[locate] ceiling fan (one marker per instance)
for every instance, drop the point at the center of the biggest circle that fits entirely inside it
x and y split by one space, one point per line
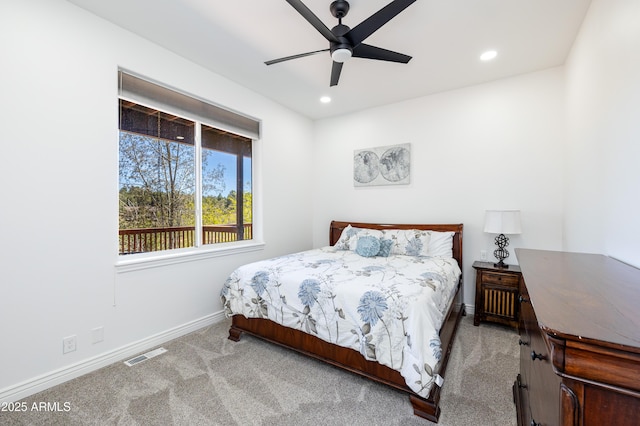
345 42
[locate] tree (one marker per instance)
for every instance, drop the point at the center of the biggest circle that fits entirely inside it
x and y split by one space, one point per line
247 214
161 173
157 182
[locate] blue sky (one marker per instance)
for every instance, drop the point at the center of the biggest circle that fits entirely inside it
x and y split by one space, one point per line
229 163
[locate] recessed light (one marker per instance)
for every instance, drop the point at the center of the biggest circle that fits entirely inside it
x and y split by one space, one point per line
325 99
488 55
180 138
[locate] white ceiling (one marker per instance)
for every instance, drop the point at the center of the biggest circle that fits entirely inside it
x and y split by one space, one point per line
445 38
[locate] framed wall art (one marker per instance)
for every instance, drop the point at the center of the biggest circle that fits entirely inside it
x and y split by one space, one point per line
385 165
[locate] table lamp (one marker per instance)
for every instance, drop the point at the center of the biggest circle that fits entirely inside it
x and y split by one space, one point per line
502 222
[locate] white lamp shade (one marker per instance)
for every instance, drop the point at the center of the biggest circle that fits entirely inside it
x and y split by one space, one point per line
502 222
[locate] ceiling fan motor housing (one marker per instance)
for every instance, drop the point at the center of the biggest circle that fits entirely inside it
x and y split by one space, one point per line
343 49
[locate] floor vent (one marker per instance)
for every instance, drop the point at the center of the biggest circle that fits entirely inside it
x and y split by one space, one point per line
144 357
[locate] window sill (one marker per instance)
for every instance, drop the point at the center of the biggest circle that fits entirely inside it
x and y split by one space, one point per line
136 262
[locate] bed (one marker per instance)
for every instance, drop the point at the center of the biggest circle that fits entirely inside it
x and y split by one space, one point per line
359 304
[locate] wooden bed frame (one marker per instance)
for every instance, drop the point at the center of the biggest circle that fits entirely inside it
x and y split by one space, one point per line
352 360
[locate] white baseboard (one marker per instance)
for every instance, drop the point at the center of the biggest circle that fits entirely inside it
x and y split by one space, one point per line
56 377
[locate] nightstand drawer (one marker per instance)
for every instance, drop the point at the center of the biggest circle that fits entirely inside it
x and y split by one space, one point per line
500 279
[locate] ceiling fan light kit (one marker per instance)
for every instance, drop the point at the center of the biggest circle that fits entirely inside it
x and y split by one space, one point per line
341 55
345 42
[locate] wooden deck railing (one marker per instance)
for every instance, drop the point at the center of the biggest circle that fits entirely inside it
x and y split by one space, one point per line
144 240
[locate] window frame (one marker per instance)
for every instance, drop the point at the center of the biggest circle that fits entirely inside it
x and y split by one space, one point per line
199 251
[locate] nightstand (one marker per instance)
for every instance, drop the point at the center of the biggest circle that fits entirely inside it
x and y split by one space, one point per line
497 291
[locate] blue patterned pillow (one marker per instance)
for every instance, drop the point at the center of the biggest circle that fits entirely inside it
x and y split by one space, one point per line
368 246
385 247
345 236
408 242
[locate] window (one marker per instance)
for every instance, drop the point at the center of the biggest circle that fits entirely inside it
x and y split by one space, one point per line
183 180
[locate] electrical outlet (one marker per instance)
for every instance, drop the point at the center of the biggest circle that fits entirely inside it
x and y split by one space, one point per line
68 344
97 335
483 255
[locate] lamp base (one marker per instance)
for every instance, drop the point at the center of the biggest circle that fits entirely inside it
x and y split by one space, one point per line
501 265
501 253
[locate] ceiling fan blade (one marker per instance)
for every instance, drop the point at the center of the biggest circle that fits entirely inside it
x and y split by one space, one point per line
370 25
336 69
300 55
372 52
313 19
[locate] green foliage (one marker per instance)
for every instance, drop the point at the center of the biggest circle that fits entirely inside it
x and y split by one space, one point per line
247 214
218 210
141 209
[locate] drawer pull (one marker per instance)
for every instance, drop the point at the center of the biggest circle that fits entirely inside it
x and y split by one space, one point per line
534 423
522 299
535 356
522 343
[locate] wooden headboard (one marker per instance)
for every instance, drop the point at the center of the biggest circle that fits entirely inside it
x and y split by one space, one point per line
337 226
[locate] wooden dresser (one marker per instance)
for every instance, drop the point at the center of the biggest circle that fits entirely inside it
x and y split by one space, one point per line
580 340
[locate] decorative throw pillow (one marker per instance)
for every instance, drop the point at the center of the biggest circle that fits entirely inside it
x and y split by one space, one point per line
385 247
368 246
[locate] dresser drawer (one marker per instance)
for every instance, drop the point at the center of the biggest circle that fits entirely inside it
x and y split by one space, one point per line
544 383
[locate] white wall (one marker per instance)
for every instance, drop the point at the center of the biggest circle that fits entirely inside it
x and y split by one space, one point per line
602 202
496 145
59 177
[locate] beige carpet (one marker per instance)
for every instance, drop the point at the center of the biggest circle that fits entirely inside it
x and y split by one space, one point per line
206 379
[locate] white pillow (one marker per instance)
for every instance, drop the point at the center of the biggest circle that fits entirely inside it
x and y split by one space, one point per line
441 244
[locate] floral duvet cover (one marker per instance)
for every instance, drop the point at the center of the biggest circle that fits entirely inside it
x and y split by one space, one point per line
390 309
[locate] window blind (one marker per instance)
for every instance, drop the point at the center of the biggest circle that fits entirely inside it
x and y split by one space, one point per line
145 92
